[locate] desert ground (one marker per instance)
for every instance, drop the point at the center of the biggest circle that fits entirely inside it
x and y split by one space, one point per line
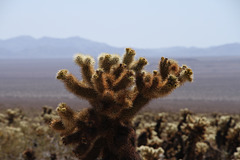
32 83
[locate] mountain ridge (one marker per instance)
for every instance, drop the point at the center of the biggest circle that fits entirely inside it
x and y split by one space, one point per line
26 47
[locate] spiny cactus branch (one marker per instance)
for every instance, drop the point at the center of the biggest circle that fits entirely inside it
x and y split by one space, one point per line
75 86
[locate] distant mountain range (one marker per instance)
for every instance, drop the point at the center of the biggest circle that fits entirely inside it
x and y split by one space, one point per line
27 47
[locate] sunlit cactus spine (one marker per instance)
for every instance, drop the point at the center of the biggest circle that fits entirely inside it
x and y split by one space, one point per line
117 90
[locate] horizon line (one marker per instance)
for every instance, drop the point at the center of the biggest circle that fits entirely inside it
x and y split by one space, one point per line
79 37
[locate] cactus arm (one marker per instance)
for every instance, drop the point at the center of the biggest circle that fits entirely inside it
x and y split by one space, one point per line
128 57
99 81
140 84
124 81
105 62
76 87
95 151
138 65
171 84
87 67
166 67
185 75
119 70
139 102
87 73
163 68
57 125
156 85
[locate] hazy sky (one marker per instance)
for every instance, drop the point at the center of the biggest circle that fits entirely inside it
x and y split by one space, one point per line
132 23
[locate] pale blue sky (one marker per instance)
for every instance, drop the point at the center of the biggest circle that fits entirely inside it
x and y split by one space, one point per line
133 23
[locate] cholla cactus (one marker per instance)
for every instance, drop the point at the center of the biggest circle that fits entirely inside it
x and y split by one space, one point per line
13 114
200 150
149 153
195 131
48 114
117 90
224 125
233 139
237 154
159 124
